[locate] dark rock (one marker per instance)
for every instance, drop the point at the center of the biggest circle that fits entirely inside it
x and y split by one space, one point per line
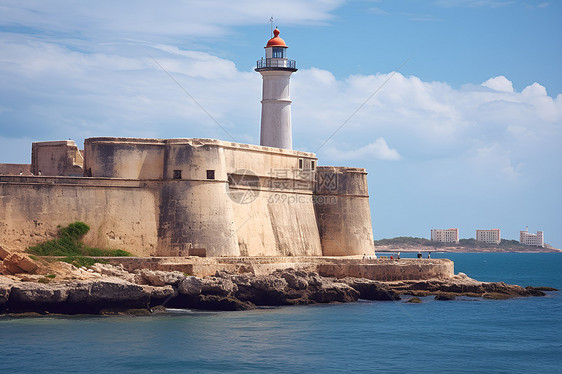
497 296
539 291
159 292
215 302
414 300
190 286
158 309
329 292
36 297
76 296
94 296
445 296
294 280
5 289
159 278
263 290
372 290
124 312
218 286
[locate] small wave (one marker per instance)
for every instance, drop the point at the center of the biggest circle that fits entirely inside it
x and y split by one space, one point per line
179 311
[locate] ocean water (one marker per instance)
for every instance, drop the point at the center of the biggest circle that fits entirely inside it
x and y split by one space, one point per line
463 336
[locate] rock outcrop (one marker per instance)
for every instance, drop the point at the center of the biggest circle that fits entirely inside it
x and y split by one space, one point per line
76 296
286 287
112 289
16 263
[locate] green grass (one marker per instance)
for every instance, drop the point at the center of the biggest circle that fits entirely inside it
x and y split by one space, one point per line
69 244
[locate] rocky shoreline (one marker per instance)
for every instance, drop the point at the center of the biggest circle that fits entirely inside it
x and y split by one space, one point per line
108 289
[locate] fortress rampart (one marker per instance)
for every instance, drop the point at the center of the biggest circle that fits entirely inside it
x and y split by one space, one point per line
336 266
189 197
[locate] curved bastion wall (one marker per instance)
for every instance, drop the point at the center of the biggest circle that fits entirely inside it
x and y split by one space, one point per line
184 197
343 212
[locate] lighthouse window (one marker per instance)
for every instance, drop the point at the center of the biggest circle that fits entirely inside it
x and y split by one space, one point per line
278 52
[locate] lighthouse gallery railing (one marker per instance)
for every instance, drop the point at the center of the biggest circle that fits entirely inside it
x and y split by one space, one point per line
276 63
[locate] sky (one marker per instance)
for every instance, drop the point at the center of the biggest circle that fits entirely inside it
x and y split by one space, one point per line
454 107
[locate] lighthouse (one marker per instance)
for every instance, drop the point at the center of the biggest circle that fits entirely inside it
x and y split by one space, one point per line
276 70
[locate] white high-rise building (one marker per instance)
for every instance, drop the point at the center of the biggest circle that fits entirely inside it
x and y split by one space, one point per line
445 235
527 238
492 236
276 72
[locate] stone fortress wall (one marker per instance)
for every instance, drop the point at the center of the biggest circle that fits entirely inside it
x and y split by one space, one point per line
181 197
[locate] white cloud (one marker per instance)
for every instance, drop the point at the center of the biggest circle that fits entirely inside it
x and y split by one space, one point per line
150 20
473 3
56 92
84 76
377 11
499 83
492 161
378 150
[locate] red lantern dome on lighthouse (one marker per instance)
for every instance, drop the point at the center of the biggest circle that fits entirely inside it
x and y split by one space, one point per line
276 41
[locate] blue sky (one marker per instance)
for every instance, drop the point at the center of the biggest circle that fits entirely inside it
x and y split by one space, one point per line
465 134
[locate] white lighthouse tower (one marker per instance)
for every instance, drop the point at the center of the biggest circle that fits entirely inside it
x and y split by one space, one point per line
276 72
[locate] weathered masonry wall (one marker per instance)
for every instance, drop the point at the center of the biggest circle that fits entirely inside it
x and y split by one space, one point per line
56 158
203 207
121 214
375 269
343 212
388 270
277 218
185 197
130 159
15 169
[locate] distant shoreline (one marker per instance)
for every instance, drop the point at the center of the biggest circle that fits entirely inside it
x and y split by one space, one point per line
461 249
413 244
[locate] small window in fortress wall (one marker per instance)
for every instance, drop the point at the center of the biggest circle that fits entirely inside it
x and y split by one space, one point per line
301 162
177 174
200 252
210 174
312 165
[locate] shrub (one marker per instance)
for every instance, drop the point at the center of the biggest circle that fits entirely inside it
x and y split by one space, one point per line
69 244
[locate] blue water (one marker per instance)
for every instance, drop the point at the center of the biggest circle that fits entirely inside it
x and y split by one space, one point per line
464 336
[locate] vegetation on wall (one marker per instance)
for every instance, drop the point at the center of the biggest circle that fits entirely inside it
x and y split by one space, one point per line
69 244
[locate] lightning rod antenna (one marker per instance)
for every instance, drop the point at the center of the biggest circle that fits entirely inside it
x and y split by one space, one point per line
271 19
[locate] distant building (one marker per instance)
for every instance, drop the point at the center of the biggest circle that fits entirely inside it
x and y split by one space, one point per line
492 236
445 236
527 238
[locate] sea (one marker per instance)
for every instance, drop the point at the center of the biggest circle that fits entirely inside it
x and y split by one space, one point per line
468 335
